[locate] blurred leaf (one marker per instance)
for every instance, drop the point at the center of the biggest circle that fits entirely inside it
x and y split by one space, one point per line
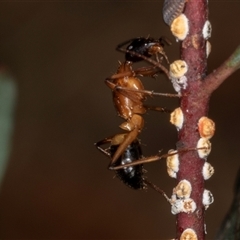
230 228
7 103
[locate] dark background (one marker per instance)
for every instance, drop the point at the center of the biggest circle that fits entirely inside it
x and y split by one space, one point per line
57 185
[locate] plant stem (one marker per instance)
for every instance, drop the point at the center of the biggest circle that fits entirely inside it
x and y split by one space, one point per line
194 106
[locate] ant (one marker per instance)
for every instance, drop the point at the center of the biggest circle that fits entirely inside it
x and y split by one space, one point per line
128 97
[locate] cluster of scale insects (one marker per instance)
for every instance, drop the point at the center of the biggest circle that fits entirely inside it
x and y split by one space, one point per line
129 98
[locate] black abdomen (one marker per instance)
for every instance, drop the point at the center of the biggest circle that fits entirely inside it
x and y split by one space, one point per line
132 176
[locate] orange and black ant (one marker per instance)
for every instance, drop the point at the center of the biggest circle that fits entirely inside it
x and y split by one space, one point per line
128 97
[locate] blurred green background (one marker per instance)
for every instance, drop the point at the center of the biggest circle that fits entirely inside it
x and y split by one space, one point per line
56 184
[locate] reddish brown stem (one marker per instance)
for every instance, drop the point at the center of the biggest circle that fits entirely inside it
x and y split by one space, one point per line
194 105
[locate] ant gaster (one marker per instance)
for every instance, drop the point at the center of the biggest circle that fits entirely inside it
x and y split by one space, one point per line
132 176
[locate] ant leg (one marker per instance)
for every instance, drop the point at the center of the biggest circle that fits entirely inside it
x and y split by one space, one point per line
155 158
124 43
155 63
115 87
158 60
147 92
102 142
156 50
158 109
141 161
150 71
120 140
165 40
127 141
156 188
